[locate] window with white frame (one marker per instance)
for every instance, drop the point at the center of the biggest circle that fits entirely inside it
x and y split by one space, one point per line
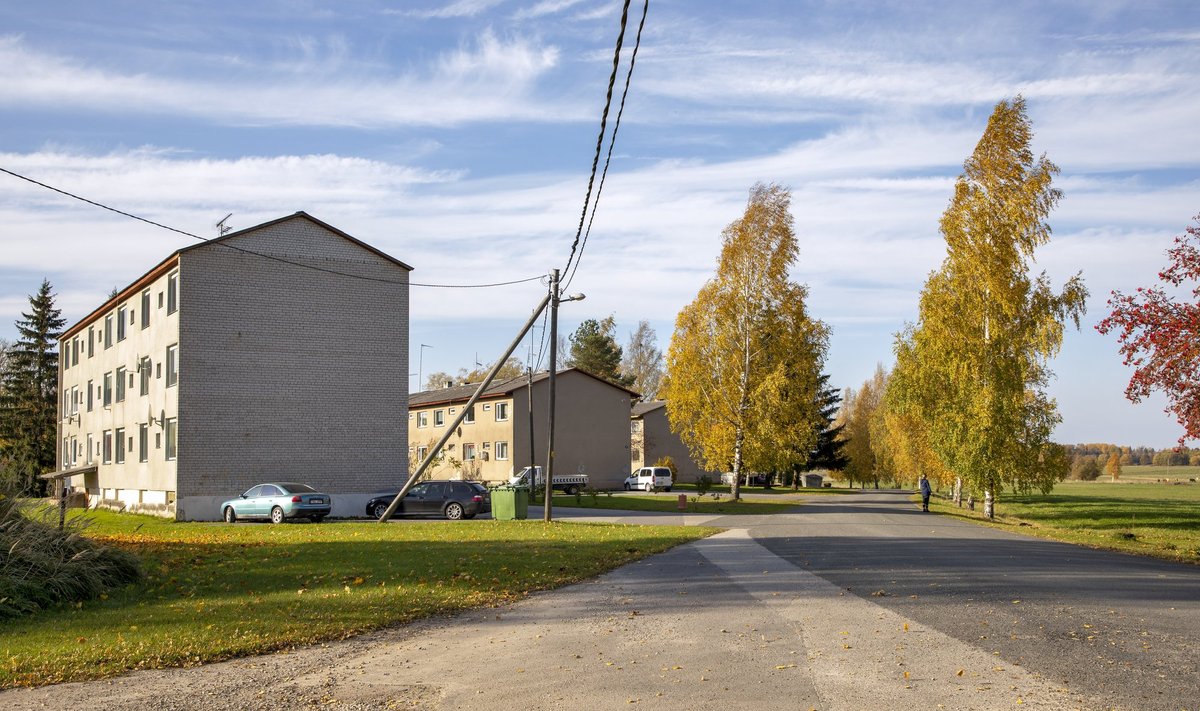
502 451
119 436
422 452
146 309
145 370
501 411
121 310
173 292
422 419
108 331
106 456
172 432
172 364
468 451
91 449
470 417
91 341
121 384
108 389
90 395
143 442
439 418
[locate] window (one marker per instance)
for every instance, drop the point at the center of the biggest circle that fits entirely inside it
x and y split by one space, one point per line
145 370
91 341
172 428
146 309
75 399
439 418
501 411
173 292
143 442
422 452
121 323
121 384
468 452
91 451
120 437
172 365
107 446
470 418
637 426
422 419
108 331
502 450
108 389
75 350
66 354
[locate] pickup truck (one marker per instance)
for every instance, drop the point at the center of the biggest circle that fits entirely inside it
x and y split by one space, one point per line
570 483
649 479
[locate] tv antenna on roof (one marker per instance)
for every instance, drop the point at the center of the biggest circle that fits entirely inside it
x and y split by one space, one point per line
222 228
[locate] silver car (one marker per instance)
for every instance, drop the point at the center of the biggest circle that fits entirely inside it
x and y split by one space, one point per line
278 501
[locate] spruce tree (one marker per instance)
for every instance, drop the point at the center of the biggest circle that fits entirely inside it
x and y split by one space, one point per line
29 397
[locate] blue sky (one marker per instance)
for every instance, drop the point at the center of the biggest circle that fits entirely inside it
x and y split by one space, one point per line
458 136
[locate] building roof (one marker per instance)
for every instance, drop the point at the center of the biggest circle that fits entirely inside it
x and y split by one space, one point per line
642 408
172 261
499 388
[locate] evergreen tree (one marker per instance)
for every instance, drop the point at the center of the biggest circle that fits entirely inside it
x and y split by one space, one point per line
29 397
594 350
828 454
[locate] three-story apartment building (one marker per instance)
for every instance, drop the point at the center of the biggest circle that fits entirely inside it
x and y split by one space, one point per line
276 353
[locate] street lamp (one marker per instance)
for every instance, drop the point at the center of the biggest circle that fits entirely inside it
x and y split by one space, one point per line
555 300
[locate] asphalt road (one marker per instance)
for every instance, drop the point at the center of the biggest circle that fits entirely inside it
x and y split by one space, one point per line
1121 628
854 602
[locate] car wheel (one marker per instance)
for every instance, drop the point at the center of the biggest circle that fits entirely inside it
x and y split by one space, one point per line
626 486
572 490
378 510
276 515
668 489
454 511
230 514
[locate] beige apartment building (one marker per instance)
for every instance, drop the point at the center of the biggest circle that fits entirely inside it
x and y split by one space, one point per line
651 438
591 431
275 353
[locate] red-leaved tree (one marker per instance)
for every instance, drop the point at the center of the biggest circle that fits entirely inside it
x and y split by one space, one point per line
1160 336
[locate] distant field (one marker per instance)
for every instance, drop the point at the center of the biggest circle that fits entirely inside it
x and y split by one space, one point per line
1146 472
1160 520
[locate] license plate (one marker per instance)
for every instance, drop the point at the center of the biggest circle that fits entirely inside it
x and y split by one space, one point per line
316 501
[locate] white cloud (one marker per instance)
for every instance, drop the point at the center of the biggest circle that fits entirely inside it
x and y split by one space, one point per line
488 79
456 9
545 7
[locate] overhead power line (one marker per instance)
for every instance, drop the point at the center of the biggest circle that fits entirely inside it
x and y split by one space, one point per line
259 254
612 142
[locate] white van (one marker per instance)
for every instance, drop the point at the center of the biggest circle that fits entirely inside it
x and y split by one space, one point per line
649 479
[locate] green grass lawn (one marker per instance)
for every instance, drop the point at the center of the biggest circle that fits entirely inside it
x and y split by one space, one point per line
1160 520
669 503
1142 472
216 591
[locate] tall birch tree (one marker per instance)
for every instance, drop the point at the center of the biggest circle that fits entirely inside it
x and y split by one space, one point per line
744 363
974 368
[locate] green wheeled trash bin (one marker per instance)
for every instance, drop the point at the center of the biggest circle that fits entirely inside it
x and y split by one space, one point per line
510 502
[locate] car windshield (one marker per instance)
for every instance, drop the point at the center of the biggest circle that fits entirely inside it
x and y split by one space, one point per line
298 488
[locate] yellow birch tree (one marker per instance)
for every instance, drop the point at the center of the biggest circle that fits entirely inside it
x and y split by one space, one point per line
744 362
974 367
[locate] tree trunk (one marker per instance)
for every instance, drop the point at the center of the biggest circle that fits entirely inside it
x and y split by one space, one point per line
958 491
735 489
989 502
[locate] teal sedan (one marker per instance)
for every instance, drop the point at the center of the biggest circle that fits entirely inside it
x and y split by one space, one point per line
277 502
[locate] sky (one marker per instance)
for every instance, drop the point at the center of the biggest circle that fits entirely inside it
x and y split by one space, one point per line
458 136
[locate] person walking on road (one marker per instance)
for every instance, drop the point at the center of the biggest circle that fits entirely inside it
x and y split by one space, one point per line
926 491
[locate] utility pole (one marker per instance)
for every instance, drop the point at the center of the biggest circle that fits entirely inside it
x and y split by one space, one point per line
548 508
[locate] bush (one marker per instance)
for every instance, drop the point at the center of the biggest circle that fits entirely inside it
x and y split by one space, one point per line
1085 469
669 464
41 566
704 482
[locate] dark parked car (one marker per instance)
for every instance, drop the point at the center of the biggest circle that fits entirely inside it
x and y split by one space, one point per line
278 501
452 499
